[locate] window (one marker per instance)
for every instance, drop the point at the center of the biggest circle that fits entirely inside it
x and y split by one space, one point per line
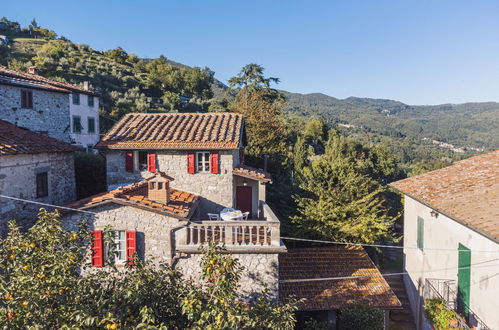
90 101
77 124
91 125
26 99
142 160
202 161
119 247
420 237
76 98
42 185
90 149
160 185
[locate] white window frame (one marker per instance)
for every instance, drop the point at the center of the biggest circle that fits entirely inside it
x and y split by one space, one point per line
118 247
203 165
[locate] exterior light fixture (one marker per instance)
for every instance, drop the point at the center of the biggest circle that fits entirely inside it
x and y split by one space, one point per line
245 183
434 214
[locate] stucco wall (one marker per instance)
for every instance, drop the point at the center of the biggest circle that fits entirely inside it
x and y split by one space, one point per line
260 270
445 233
216 190
84 111
50 111
18 179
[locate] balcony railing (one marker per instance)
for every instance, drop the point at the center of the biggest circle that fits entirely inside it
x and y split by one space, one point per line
237 236
446 289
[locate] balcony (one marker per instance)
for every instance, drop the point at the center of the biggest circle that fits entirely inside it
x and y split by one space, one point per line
245 236
446 289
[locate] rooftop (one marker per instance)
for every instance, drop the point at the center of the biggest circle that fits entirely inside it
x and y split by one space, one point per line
252 173
333 261
181 203
15 140
24 79
467 191
175 131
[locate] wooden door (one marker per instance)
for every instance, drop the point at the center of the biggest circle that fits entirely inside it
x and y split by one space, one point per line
463 280
244 199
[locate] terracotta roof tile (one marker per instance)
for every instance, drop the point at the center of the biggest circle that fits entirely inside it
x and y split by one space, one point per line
467 191
333 261
181 203
252 173
175 131
16 140
24 79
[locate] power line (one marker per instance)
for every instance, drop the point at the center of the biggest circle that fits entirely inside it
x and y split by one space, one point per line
282 237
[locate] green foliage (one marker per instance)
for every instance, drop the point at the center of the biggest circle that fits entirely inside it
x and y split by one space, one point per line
46 282
342 194
216 304
251 77
360 317
90 174
439 315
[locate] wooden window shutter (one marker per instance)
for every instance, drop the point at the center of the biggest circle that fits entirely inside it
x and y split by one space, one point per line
30 99
131 245
420 234
191 160
97 249
151 161
129 161
214 162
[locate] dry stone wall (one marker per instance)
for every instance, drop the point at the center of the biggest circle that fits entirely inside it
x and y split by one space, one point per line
50 113
18 179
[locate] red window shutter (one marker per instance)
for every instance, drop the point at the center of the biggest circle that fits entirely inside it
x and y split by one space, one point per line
129 161
151 161
131 245
214 162
97 249
191 160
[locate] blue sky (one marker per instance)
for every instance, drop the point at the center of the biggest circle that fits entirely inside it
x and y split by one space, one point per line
417 52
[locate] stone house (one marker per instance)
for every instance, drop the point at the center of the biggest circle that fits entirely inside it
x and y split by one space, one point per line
60 110
32 167
166 173
451 239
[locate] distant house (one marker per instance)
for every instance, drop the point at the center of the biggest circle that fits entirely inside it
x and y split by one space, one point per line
33 167
451 239
60 110
323 298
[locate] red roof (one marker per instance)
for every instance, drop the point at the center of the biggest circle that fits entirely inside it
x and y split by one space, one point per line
24 79
181 203
175 131
328 262
252 173
467 191
15 140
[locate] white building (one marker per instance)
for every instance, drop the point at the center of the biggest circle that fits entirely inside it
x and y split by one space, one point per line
451 239
84 112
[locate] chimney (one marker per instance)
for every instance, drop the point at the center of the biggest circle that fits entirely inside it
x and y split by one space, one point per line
158 189
32 69
86 85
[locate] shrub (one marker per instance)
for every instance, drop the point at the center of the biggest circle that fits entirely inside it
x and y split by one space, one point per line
360 317
439 315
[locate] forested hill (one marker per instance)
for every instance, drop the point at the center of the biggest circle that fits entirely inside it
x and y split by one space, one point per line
469 125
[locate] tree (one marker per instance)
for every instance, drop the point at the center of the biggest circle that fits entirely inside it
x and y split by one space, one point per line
45 283
251 77
342 196
33 25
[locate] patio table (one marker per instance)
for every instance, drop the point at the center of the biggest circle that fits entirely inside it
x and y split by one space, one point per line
231 214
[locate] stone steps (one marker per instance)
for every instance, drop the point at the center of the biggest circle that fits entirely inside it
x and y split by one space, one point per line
400 319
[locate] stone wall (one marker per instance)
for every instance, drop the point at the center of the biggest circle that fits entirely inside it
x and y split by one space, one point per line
216 190
50 111
18 179
154 230
260 270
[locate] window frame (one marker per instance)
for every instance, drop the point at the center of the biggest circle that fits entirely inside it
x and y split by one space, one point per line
139 167
91 128
204 162
90 101
26 99
75 98
118 248
42 184
74 126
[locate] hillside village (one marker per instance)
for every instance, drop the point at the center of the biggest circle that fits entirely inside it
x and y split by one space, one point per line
211 197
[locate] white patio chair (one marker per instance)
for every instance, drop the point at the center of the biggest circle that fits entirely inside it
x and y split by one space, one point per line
214 216
245 215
